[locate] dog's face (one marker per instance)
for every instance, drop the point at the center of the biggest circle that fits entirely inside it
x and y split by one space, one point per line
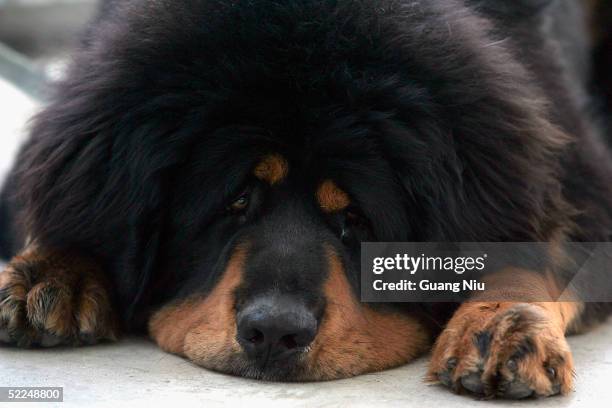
269 273
236 156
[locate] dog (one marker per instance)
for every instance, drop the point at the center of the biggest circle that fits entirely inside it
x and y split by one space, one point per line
207 170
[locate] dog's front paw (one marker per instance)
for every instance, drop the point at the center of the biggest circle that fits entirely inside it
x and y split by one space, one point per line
49 299
506 350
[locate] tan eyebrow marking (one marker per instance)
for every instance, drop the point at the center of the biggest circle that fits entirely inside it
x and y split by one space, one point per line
331 198
272 169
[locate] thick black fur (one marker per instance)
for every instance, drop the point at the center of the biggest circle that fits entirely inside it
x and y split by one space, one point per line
444 120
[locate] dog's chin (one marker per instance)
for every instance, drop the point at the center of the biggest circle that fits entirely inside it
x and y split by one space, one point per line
302 367
291 369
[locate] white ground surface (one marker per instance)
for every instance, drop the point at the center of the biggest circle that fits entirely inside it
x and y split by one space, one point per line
134 373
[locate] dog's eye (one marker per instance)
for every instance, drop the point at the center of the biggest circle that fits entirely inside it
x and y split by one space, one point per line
355 227
240 204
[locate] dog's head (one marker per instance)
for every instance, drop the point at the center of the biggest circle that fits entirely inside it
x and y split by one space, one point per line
226 159
267 274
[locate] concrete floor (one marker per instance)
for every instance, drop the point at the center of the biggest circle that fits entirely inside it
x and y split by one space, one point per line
135 373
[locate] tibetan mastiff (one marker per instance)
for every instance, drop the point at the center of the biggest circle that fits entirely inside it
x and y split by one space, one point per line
207 169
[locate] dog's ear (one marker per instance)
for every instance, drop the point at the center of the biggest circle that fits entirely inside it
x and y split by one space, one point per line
477 153
493 176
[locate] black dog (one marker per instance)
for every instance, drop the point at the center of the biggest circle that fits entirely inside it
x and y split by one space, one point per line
208 169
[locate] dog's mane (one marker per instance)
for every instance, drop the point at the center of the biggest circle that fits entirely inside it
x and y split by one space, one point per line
423 90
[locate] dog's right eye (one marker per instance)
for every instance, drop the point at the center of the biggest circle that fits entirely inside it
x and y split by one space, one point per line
240 204
355 226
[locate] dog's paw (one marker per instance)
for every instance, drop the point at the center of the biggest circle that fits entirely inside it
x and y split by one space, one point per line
49 299
504 350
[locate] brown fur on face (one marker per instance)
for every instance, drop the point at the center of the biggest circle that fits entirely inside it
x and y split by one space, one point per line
352 339
272 169
50 297
331 198
355 339
203 330
508 348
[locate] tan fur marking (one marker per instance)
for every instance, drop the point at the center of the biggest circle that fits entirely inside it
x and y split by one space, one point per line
272 169
511 323
331 198
202 329
354 338
42 292
534 288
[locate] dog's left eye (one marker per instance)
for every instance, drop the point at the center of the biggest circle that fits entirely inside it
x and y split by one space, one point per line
240 204
355 227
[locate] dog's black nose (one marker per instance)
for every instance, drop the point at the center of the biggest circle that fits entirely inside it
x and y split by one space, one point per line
273 328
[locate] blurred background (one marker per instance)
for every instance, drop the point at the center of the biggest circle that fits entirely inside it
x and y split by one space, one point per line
36 37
